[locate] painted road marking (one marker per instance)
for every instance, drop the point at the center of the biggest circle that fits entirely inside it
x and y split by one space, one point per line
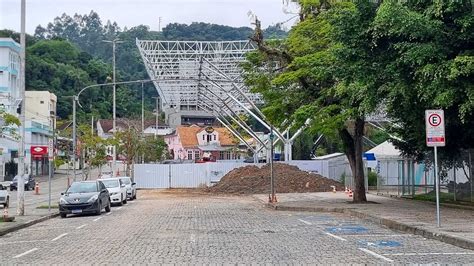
60 236
109 213
303 221
432 253
119 208
380 235
24 241
347 229
375 254
381 243
25 253
82 226
95 220
336 237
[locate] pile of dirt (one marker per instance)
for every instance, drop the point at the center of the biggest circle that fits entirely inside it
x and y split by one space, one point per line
288 179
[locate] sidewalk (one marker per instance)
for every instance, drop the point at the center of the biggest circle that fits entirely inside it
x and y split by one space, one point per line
32 216
457 225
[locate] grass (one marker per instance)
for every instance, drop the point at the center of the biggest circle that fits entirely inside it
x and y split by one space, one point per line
45 206
443 198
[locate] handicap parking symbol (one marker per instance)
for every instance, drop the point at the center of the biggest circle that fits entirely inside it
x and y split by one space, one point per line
347 229
381 243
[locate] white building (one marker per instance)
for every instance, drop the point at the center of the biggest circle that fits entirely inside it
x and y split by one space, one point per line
40 120
9 96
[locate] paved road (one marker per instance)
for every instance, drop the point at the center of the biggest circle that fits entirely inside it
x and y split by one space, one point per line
168 228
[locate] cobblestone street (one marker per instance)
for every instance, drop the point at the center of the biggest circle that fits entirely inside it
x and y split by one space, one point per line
197 229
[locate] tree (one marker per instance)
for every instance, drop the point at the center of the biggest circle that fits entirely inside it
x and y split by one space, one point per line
430 45
8 124
326 70
128 143
93 147
153 149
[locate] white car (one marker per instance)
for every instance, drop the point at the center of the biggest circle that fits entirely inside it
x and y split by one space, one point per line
4 196
117 190
131 187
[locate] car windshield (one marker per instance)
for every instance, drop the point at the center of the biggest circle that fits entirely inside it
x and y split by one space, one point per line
126 181
82 187
111 183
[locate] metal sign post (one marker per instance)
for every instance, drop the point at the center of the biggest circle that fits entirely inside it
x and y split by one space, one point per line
50 157
435 137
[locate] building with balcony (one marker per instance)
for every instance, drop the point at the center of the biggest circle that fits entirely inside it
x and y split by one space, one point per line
40 121
9 99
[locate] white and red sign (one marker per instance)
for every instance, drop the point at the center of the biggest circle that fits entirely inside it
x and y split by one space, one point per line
435 134
39 151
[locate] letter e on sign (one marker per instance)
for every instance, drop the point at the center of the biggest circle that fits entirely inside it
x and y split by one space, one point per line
435 134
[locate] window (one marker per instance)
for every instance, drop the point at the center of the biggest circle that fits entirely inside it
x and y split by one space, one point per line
190 155
215 137
197 155
203 137
221 155
41 102
228 155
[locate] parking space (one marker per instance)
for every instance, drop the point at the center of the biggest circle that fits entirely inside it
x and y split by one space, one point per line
194 229
385 244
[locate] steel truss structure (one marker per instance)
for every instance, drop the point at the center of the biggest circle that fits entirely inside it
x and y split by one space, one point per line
207 76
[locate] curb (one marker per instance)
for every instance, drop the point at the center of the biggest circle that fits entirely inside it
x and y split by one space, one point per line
27 224
456 241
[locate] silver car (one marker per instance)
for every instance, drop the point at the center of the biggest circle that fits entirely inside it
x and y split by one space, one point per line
130 186
4 197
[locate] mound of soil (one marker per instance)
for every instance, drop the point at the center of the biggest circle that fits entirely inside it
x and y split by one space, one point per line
288 179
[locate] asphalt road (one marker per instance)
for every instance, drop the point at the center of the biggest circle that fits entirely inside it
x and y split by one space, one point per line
194 229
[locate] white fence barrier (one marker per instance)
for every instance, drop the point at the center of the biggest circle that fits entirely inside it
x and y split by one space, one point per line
200 175
182 175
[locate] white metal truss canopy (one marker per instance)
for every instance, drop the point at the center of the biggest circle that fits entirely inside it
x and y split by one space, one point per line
185 70
207 76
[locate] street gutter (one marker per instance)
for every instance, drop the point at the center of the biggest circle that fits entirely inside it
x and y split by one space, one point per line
21 225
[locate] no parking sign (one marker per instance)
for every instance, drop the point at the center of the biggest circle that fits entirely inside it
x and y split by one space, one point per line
435 135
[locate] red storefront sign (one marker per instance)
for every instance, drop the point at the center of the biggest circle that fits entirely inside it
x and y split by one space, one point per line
39 151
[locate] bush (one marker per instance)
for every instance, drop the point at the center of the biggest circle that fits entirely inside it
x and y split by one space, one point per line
372 179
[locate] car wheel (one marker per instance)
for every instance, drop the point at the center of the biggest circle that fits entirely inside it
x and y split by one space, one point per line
125 200
63 215
135 196
11 189
107 208
121 202
99 209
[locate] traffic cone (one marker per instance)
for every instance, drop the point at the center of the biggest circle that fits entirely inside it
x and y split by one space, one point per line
37 187
350 193
5 213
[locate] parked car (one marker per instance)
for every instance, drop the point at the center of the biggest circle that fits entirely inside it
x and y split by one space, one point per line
29 183
117 190
130 186
84 197
4 197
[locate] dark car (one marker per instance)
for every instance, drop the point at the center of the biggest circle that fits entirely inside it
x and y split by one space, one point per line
29 183
84 197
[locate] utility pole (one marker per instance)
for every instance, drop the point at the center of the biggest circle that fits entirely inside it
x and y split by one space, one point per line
272 198
21 149
114 149
143 121
74 99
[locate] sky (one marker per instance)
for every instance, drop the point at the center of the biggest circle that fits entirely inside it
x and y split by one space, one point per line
135 12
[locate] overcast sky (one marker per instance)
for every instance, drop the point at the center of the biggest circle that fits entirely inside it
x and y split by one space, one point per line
135 12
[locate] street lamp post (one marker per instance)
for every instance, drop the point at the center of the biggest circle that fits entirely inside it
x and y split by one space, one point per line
114 115
21 149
